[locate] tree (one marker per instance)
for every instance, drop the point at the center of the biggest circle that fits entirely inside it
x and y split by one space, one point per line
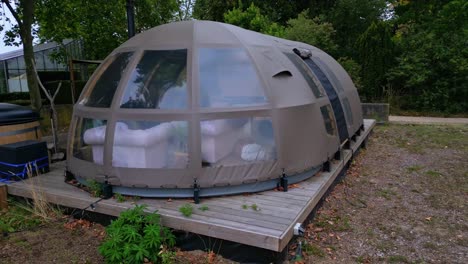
185 9
376 56
213 10
351 18
253 19
23 12
101 25
432 69
311 31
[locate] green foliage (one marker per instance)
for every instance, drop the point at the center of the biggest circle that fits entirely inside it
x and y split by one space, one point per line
253 19
203 208
311 31
433 66
212 9
136 235
376 56
18 217
245 207
119 197
312 249
186 210
278 11
255 207
354 70
102 25
351 18
7 97
95 188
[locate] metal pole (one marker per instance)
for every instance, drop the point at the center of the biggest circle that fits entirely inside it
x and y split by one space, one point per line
72 80
131 18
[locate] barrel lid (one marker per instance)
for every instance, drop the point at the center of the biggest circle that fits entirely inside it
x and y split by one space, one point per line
11 114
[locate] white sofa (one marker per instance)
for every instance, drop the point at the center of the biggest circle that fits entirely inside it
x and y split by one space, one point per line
132 148
219 137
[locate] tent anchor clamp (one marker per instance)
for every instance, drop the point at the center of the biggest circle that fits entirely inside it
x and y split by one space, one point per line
196 192
283 182
326 167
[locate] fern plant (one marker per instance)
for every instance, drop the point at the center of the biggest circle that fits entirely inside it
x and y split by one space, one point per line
134 236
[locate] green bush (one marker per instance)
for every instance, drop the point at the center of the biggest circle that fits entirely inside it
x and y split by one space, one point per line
136 236
8 97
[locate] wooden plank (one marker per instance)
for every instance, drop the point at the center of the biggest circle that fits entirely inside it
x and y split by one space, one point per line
259 200
217 228
271 211
3 196
227 210
270 228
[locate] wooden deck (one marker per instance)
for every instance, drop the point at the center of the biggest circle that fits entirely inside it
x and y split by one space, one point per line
271 227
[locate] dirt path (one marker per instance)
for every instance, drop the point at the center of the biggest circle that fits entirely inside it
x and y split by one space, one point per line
403 201
426 120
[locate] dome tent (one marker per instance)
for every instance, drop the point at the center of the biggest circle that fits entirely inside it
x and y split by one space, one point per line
200 104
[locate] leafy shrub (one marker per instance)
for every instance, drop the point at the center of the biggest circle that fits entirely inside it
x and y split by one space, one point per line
137 235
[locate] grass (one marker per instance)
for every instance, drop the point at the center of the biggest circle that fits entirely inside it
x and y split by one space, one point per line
420 137
95 188
186 210
18 217
397 259
255 207
203 208
414 168
28 213
386 193
433 174
334 223
311 249
119 197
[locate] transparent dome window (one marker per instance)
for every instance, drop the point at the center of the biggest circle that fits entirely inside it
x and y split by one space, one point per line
226 142
228 79
150 144
158 81
89 140
103 91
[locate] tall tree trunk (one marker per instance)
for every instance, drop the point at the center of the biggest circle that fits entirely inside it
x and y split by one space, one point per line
25 22
27 39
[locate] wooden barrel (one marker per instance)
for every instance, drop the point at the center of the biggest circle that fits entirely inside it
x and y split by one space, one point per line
19 132
18 123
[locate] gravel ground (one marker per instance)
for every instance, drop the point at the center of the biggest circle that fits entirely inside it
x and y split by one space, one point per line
403 201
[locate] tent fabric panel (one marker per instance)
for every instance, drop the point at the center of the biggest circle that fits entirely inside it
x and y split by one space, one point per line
303 140
237 175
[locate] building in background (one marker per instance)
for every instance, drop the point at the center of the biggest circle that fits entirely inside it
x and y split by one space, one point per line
13 68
